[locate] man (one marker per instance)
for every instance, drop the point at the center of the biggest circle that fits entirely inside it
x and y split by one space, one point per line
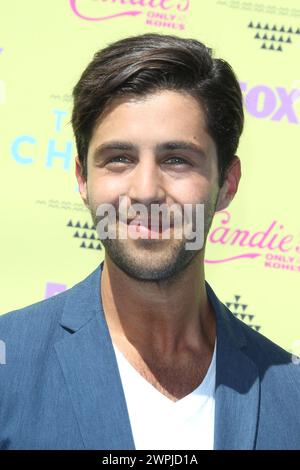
142 354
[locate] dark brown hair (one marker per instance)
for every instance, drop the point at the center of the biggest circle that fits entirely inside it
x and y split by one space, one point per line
143 64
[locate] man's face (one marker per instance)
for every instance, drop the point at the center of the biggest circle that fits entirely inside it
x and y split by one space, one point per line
152 149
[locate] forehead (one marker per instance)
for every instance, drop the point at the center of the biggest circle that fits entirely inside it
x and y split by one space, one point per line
153 118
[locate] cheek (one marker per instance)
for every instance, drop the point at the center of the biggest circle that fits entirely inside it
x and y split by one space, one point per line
104 190
192 191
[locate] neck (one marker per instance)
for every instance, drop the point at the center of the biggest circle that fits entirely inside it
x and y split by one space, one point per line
162 318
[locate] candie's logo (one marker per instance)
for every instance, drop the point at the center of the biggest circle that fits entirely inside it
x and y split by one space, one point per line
273 244
160 13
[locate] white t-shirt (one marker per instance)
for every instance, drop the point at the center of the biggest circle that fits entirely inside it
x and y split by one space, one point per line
159 423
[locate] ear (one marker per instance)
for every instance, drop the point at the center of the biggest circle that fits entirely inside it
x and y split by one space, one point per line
81 180
230 185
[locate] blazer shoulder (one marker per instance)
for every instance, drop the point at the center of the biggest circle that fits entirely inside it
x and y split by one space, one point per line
45 314
270 358
31 312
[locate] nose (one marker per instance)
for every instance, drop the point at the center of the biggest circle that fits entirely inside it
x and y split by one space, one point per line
146 186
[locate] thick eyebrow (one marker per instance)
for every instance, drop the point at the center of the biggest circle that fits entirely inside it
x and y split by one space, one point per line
181 145
170 146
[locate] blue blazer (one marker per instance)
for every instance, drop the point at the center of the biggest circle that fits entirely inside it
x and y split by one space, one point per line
60 387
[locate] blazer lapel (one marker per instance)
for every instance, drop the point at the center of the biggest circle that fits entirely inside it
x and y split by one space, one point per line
237 384
89 365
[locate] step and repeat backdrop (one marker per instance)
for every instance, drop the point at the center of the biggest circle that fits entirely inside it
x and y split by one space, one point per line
48 242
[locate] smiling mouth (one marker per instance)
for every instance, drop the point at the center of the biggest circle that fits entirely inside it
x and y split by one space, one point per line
146 224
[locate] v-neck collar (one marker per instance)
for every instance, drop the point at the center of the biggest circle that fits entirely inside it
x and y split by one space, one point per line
207 384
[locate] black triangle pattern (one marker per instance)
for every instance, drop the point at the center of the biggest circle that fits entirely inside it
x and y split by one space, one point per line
239 310
82 233
273 28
